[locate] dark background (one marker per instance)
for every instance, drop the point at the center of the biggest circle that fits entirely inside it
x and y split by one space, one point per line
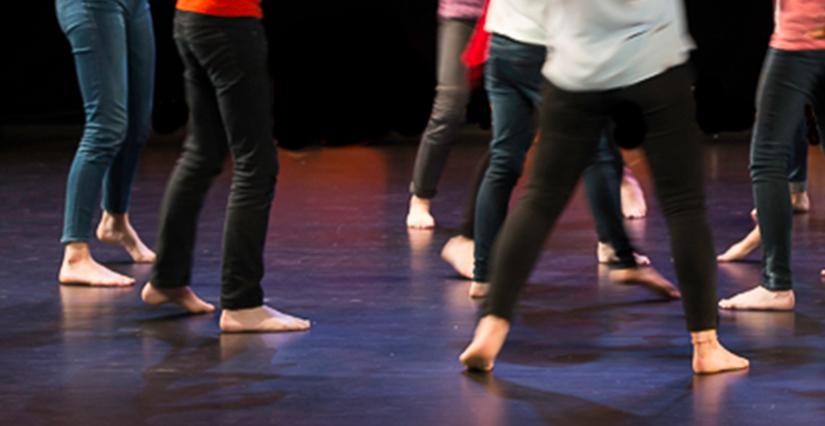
353 71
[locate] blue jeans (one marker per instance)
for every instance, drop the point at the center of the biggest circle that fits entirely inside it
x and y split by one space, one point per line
114 49
789 80
514 84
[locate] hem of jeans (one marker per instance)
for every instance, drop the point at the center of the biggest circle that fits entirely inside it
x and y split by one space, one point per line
623 264
69 240
167 284
428 195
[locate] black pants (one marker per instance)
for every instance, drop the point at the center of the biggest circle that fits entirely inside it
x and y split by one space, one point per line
229 97
571 125
789 80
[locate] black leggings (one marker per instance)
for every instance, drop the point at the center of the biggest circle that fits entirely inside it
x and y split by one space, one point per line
571 125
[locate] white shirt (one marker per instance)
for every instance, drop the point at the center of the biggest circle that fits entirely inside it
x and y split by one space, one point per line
607 44
520 20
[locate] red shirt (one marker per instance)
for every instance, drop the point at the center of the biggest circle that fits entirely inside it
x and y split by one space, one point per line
226 8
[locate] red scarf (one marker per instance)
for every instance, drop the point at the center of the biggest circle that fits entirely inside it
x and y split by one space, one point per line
475 54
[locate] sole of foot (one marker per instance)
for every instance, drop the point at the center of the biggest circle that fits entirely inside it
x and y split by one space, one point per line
479 290
92 274
419 216
633 201
458 252
261 319
710 357
489 337
117 231
743 248
646 277
183 297
606 255
760 299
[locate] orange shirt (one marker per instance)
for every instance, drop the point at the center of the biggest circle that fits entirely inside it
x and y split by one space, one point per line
226 8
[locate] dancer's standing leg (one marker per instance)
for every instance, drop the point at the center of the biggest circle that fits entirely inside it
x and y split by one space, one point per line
789 80
228 91
114 52
448 112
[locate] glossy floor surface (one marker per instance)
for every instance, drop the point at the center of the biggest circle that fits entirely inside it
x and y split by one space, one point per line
389 317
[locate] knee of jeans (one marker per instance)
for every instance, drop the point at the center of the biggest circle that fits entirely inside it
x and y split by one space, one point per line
103 138
450 104
505 166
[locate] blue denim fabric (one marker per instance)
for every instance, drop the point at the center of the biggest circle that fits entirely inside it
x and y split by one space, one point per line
514 85
114 48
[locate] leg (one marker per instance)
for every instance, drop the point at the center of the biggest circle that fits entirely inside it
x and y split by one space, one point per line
204 152
237 67
571 125
449 107
788 81
98 41
633 198
798 173
514 81
115 227
458 251
675 156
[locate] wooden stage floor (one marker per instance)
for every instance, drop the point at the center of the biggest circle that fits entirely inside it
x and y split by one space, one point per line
390 318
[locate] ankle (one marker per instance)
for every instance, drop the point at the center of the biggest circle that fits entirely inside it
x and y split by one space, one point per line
76 252
704 339
417 201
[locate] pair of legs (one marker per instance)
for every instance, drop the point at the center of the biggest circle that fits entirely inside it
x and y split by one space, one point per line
798 186
447 116
514 82
229 97
114 51
789 81
571 125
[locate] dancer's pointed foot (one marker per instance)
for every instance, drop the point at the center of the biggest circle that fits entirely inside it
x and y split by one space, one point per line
741 249
116 229
458 252
633 198
606 255
419 216
709 356
489 337
801 202
183 297
760 299
646 277
479 290
261 319
79 268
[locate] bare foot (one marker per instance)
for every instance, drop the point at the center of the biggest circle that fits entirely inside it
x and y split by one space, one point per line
262 319
801 202
646 277
606 255
458 252
741 249
760 299
183 297
709 356
419 216
116 229
489 337
633 198
479 290
79 268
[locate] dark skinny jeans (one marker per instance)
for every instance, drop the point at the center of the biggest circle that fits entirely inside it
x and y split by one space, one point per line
229 97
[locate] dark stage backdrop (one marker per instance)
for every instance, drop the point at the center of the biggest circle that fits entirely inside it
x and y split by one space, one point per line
349 71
